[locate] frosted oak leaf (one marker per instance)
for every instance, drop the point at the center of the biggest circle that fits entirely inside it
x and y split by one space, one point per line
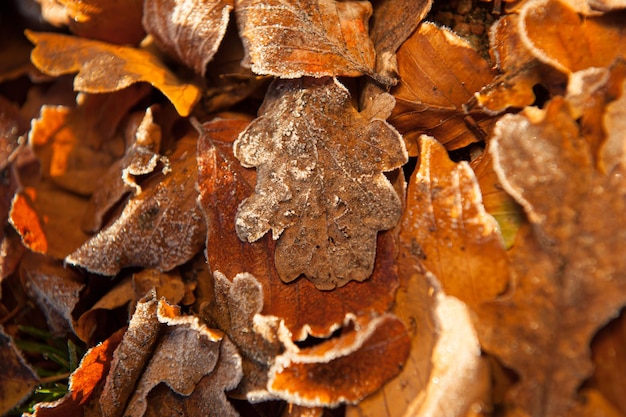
320 184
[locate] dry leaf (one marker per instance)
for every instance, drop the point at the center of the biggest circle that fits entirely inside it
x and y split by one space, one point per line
84 382
53 288
189 30
317 38
197 375
76 145
223 183
320 183
544 24
439 73
570 259
117 21
17 378
160 228
141 158
105 68
43 215
448 229
9 132
345 369
392 23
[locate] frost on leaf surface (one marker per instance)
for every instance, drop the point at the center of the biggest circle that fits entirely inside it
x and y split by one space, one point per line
320 181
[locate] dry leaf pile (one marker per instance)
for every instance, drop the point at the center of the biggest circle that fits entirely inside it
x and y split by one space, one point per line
315 207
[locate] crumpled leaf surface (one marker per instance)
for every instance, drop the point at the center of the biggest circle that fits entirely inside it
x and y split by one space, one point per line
54 288
317 38
430 59
103 67
449 230
312 187
85 382
76 145
570 255
160 228
117 21
392 23
335 371
189 30
17 378
222 184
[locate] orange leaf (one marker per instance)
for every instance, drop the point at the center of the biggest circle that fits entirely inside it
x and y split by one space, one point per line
306 38
446 224
104 67
27 223
117 21
439 73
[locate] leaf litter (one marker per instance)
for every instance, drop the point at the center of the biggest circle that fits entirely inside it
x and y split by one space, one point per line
136 219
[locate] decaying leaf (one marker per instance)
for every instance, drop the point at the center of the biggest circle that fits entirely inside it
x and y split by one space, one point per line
338 370
104 67
159 228
571 258
317 38
392 23
17 378
320 183
117 21
449 230
54 288
189 30
85 382
207 366
306 311
439 73
76 145
140 158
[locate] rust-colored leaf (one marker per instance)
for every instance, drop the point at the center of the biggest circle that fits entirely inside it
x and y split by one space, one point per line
189 30
17 378
597 41
76 145
320 183
291 39
159 228
223 183
117 21
571 258
43 215
439 73
85 381
393 21
345 369
447 227
104 67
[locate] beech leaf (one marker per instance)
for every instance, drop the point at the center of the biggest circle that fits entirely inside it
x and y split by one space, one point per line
317 38
160 228
189 30
320 183
104 67
571 256
431 58
447 226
